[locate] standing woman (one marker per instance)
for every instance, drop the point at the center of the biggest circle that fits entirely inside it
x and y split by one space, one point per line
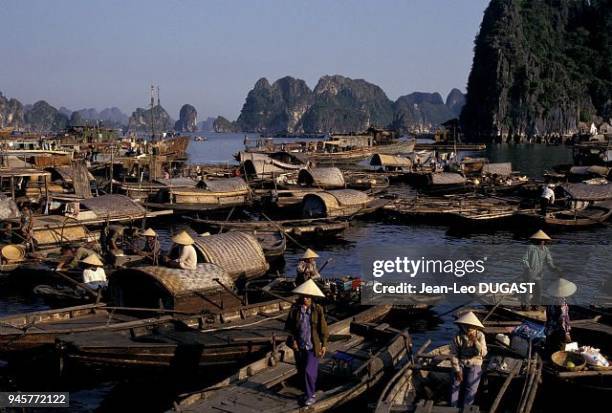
307 327
468 350
558 326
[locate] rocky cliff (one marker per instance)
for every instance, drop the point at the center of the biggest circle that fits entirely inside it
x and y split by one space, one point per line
11 112
275 108
141 120
188 119
222 125
422 112
42 117
539 68
339 104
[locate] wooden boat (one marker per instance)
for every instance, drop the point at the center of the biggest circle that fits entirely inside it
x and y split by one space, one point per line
34 330
509 384
141 191
359 354
301 228
189 343
215 194
569 219
273 244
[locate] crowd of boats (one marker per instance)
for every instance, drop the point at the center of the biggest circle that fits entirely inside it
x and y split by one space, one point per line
80 201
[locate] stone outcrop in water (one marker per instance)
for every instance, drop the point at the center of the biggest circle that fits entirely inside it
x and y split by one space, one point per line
275 108
11 112
222 125
188 119
539 68
455 102
422 112
42 117
339 104
141 118
344 105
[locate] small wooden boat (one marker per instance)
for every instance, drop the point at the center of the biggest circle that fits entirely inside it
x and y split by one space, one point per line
215 194
183 342
569 219
509 384
34 330
301 228
360 352
273 243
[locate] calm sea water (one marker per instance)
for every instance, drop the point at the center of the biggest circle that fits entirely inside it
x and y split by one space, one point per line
88 394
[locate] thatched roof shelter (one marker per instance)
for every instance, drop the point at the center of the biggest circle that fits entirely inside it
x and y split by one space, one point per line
114 206
226 185
500 168
390 161
173 288
342 202
325 178
447 178
586 192
238 253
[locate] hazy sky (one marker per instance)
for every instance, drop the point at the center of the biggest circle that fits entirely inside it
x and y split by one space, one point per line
210 53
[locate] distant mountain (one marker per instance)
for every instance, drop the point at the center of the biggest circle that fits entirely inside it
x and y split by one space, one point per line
140 121
275 108
539 68
455 102
222 125
188 119
42 117
11 112
207 125
340 105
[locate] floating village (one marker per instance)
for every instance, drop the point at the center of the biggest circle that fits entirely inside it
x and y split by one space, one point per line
81 212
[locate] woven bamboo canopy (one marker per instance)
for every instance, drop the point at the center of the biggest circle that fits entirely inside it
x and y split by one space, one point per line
177 289
238 253
586 192
390 161
500 168
325 178
226 185
341 202
113 205
447 178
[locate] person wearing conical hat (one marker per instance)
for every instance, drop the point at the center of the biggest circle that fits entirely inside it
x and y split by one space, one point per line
558 324
151 247
536 259
307 267
308 336
547 198
93 274
183 254
468 349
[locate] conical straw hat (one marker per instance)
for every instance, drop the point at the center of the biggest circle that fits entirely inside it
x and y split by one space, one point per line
93 260
149 233
183 238
310 254
205 234
469 319
561 288
308 288
540 235
13 252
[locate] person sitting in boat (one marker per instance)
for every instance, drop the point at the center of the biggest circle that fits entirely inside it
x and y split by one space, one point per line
151 246
93 274
307 267
468 349
113 237
307 327
547 198
183 254
536 258
558 328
